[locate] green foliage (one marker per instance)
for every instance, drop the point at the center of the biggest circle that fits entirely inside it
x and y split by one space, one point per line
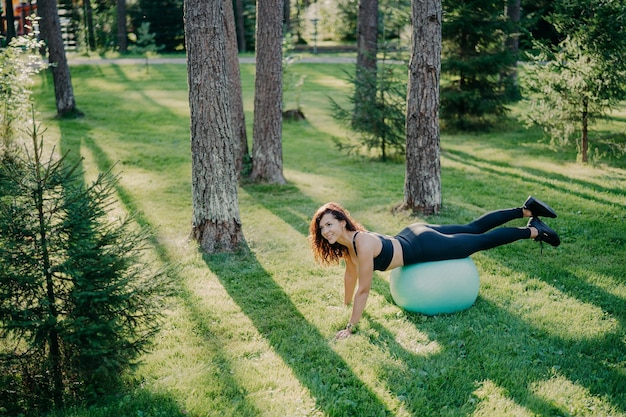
166 17
19 62
336 21
598 25
535 24
79 302
144 42
577 82
562 88
396 19
380 116
104 17
474 60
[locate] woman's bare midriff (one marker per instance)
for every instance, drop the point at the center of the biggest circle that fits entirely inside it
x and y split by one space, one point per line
398 259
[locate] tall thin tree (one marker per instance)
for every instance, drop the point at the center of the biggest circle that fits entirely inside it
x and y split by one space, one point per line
240 24
267 153
216 223
513 14
90 31
122 41
287 15
366 63
51 32
10 21
422 186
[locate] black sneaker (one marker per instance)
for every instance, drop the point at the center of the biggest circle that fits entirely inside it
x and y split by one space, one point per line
545 233
538 208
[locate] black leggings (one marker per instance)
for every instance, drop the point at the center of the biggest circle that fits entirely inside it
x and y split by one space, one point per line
426 242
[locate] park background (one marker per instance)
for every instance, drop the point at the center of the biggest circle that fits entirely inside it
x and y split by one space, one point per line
251 334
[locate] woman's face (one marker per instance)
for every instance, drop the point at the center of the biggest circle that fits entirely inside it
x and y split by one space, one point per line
331 228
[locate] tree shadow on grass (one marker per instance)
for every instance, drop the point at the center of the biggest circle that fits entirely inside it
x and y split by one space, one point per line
275 316
536 176
466 355
157 73
325 374
140 402
231 392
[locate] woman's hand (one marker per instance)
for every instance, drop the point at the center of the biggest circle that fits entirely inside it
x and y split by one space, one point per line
343 334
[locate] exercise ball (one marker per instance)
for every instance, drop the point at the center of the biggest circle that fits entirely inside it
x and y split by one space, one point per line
435 287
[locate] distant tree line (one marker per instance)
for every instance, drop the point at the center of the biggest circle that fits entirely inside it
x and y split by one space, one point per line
97 21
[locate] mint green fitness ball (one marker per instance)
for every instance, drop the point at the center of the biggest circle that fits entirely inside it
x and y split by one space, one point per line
435 287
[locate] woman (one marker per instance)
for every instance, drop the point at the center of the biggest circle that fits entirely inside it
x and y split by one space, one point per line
334 236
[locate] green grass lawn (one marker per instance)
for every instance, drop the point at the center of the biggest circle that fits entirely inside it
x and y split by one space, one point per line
251 334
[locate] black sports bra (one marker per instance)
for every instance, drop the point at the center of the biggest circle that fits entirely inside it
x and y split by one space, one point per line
382 261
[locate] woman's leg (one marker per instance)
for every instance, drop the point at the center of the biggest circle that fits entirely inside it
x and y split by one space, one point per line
423 243
484 223
437 246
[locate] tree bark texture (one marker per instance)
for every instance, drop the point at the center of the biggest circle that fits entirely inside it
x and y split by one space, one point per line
234 78
267 153
422 186
216 224
367 34
51 32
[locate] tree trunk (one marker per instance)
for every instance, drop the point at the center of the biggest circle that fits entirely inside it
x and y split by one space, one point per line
234 78
367 34
584 146
10 21
287 15
51 33
267 153
513 13
122 41
367 47
241 27
422 186
91 32
51 316
216 224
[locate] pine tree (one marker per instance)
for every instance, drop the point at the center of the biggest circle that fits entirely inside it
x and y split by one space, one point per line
78 301
474 58
571 85
380 122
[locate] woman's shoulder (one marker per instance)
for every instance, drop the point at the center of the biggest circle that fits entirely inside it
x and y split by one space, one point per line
365 240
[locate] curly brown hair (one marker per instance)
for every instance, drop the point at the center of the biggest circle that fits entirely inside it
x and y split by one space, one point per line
324 252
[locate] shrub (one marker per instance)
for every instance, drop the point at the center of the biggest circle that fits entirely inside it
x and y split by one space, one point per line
78 301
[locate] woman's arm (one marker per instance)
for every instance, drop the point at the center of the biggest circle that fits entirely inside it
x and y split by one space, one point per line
349 280
364 273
